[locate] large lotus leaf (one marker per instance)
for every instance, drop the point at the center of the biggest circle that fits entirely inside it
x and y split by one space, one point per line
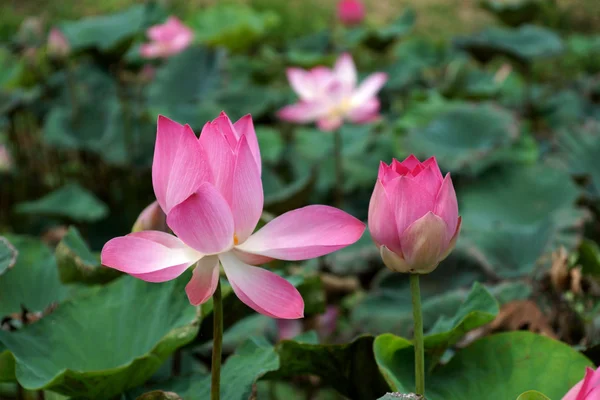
514 12
349 368
77 264
524 45
70 201
186 82
8 255
309 286
515 215
581 150
252 360
532 395
380 36
109 341
236 27
466 138
33 282
310 50
7 365
583 53
107 31
498 367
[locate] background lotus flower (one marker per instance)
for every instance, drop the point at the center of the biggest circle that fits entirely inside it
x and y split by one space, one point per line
413 215
211 191
6 162
330 96
167 39
58 44
586 389
351 12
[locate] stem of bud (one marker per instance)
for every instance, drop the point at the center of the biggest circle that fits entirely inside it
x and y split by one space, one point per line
215 383
415 292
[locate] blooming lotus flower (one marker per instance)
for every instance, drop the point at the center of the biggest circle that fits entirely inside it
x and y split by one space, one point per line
351 12
167 39
58 44
588 388
331 96
211 191
413 215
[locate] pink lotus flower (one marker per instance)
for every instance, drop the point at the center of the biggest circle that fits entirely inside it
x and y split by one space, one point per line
58 44
330 96
167 39
351 12
588 388
211 191
413 215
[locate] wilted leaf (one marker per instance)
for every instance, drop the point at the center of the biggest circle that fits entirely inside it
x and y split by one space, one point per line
111 340
159 395
70 201
76 262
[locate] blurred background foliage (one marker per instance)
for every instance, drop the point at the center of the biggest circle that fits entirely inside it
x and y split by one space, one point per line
506 94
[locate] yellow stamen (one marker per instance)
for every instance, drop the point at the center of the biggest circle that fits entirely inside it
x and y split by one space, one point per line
236 241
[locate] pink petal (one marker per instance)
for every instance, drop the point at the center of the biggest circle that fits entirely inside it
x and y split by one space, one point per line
366 112
151 50
252 259
179 167
223 124
262 290
204 280
247 195
410 162
164 275
429 179
151 218
433 162
220 157
301 82
329 123
345 70
382 220
387 173
446 205
148 252
302 112
369 88
288 328
452 242
245 127
203 221
423 243
401 169
305 233
394 261
411 201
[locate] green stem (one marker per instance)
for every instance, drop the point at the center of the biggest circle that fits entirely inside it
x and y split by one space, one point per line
418 335
215 385
339 168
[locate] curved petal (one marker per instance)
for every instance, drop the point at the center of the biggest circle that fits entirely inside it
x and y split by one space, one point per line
366 112
429 179
411 162
203 221
302 112
411 201
245 127
223 124
423 243
433 162
393 261
446 205
204 280
345 71
164 275
247 193
452 242
262 290
252 259
305 233
382 223
178 167
329 123
369 88
220 157
151 50
147 252
151 218
300 81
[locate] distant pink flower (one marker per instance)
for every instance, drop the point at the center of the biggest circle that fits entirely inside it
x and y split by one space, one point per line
331 96
326 324
6 162
58 45
413 215
588 388
167 39
147 73
351 12
211 191
288 328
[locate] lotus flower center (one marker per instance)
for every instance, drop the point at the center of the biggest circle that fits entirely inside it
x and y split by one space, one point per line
236 240
342 108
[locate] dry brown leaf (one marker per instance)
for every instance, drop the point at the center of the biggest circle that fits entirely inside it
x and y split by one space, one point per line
522 314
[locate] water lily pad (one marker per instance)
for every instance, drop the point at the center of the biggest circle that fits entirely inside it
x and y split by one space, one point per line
524 45
70 201
515 215
467 138
109 341
581 149
500 366
33 281
77 263
514 12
